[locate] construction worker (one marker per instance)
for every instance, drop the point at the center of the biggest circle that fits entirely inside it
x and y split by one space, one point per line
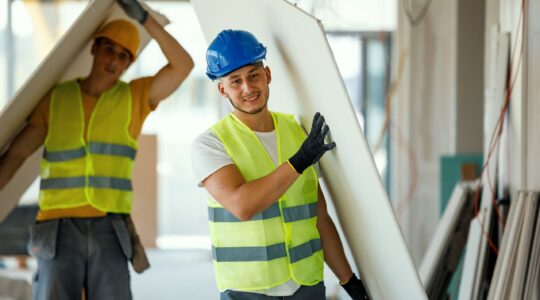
269 226
89 128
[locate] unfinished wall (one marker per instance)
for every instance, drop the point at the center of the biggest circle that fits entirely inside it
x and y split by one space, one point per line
423 117
519 150
429 107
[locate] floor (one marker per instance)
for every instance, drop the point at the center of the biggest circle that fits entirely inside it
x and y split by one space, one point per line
174 274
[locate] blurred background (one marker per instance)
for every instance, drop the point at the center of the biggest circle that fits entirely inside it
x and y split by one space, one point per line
417 73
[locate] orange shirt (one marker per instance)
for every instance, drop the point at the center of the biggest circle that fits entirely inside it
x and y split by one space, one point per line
141 107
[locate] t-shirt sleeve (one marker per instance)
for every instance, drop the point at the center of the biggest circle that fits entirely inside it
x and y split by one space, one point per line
141 107
40 116
208 155
140 90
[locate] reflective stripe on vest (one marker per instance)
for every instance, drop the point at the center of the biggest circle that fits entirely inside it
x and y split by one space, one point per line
279 243
95 170
95 148
93 181
290 214
237 254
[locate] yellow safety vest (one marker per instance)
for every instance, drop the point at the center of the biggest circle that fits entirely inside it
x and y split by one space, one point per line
75 172
280 243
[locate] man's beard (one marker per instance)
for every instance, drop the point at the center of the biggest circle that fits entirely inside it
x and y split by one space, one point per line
249 112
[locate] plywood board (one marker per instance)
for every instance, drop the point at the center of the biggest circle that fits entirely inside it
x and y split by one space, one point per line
305 80
69 58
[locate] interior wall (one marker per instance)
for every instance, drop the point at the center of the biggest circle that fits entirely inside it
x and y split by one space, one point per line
470 77
423 118
519 151
509 14
425 107
533 96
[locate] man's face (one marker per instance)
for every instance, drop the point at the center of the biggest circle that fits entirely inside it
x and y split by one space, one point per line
247 88
110 59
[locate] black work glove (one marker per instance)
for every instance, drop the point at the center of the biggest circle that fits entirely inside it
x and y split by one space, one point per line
134 9
313 147
355 289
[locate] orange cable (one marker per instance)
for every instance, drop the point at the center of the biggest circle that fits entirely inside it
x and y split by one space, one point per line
495 138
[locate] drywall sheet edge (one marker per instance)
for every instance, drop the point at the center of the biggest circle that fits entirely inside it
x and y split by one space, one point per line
305 80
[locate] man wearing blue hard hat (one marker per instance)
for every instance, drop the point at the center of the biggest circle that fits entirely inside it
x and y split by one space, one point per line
270 229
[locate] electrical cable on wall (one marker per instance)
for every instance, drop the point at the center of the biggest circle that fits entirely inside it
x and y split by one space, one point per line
497 131
415 20
404 203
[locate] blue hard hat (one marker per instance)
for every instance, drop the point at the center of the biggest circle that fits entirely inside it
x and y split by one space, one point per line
230 50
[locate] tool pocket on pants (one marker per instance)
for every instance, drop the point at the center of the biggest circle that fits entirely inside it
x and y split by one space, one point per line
43 238
122 233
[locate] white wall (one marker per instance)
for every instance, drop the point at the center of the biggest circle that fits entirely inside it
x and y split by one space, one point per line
425 107
423 116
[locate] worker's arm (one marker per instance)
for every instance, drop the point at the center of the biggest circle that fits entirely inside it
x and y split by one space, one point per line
334 255
244 199
180 63
26 142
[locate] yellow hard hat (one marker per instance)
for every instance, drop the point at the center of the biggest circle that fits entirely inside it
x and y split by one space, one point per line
122 32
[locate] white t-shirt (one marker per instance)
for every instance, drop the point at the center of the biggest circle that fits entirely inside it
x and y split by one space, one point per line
208 155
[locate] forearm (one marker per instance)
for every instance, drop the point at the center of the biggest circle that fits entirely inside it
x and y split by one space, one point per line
176 55
9 164
250 198
26 143
334 255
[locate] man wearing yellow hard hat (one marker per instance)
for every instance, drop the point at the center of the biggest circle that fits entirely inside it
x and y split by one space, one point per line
89 128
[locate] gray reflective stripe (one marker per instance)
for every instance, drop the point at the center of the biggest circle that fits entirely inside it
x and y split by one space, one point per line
305 250
95 148
219 214
62 183
56 156
301 212
112 149
110 182
79 182
222 254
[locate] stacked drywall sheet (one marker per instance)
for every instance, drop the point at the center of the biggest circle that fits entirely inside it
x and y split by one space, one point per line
517 270
305 79
476 264
468 284
444 251
69 58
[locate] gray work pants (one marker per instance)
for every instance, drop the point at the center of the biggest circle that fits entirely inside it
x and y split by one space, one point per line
77 253
316 292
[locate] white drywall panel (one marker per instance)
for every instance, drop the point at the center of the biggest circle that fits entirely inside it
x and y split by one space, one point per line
69 58
446 227
497 55
532 65
305 80
468 276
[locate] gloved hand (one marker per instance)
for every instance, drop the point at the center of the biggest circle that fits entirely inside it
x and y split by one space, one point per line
313 147
355 288
134 9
